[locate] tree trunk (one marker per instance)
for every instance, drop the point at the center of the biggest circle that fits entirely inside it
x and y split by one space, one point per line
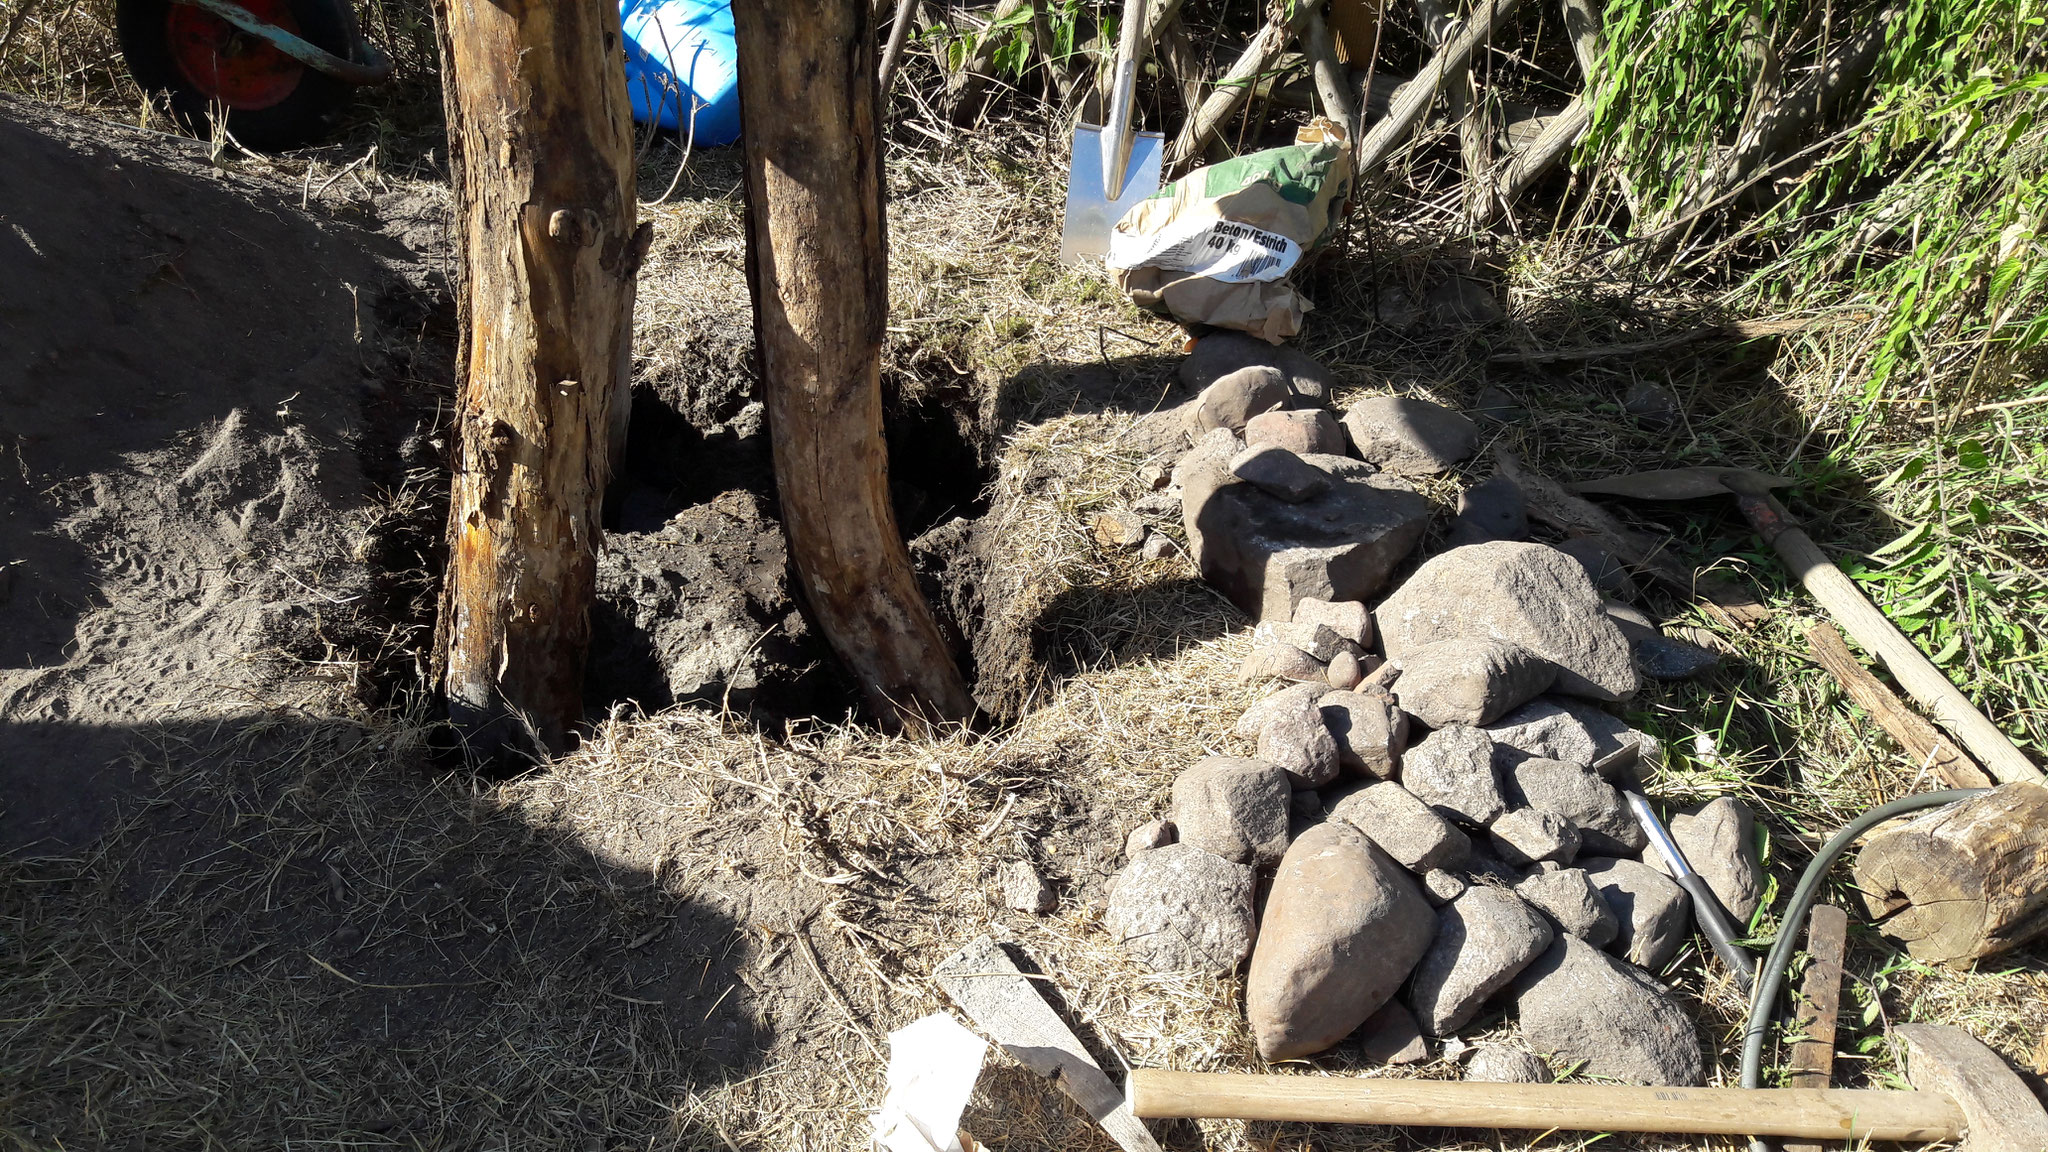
1965 881
818 266
540 150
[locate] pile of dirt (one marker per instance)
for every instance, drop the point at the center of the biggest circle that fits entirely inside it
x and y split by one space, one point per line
222 459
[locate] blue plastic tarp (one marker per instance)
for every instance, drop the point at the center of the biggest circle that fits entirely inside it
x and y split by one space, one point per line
682 67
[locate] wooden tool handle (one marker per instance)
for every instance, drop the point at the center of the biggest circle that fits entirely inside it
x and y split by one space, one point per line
1816 1114
1916 674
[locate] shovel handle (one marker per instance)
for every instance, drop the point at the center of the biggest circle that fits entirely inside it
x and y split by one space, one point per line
1816 1114
1123 89
1878 635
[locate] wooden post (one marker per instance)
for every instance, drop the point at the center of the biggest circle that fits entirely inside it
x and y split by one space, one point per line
540 151
818 264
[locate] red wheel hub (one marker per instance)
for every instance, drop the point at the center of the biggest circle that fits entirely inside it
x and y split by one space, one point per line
227 64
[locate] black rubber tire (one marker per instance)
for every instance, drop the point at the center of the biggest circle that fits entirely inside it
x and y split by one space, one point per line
303 117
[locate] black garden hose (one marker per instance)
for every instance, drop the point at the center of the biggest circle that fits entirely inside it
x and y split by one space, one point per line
1770 976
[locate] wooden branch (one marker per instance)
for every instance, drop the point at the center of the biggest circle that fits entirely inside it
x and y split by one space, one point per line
1237 84
1550 503
1529 164
541 150
818 267
1332 84
1464 109
1926 746
1417 96
1582 25
892 53
1178 54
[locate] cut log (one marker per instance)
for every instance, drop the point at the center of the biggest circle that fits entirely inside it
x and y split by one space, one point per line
1529 164
818 266
1966 881
1357 27
540 143
1333 86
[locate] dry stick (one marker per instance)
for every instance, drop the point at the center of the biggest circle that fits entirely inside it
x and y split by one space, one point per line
1332 85
1419 93
1463 107
1529 164
1178 52
1550 503
1920 740
1236 85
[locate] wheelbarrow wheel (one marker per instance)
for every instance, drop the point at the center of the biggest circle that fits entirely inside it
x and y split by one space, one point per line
199 66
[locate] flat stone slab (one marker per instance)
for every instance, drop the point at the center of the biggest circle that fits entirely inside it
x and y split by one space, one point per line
1265 554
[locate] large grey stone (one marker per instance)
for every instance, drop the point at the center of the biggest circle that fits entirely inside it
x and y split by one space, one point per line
1532 595
1389 1036
1470 680
1409 437
1404 827
1277 472
1653 913
1572 903
1452 771
1719 841
1285 700
1369 731
1341 467
1235 398
1483 939
1221 353
1234 808
1266 554
1300 742
1579 1003
1302 431
1561 729
1526 836
1606 826
1603 568
1491 510
1500 1064
1178 908
1200 473
1343 926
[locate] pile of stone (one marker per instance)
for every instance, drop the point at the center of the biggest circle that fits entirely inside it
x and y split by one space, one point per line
1434 794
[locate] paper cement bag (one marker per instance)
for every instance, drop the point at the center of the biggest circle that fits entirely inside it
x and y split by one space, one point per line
1217 245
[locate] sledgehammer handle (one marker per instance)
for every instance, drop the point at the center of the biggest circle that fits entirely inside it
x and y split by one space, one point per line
1816 1114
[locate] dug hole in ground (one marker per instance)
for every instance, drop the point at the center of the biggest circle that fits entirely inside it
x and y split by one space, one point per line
246 899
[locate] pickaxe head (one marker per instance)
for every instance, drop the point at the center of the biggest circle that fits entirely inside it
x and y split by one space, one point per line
2000 1113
